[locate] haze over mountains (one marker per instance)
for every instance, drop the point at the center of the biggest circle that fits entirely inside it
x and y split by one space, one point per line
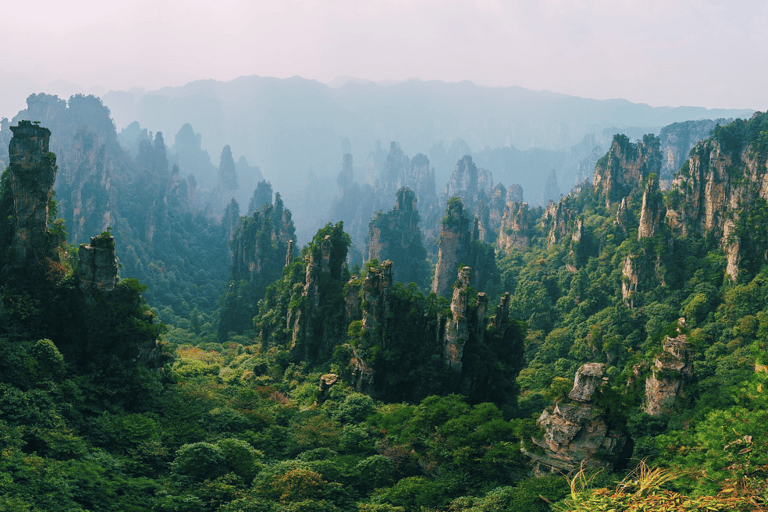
294 132
293 128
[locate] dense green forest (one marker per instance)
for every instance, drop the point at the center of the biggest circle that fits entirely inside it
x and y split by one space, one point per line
603 353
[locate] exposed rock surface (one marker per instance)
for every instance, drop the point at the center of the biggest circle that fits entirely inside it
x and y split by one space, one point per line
396 236
558 217
672 370
97 267
260 241
377 287
458 245
469 183
313 339
720 180
625 166
677 140
32 173
457 331
327 381
588 379
516 228
652 210
577 432
629 279
454 246
355 202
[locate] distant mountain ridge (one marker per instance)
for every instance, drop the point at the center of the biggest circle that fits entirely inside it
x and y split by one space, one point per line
291 125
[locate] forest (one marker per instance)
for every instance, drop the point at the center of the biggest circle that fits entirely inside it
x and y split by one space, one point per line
163 348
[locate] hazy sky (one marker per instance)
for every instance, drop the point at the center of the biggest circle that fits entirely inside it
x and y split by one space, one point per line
660 52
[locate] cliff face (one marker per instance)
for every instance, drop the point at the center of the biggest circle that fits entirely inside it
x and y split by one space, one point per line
625 166
313 334
395 236
558 218
32 172
469 183
454 246
260 243
377 288
678 139
724 180
672 370
373 300
490 213
577 433
458 245
516 228
457 331
652 210
97 267
84 187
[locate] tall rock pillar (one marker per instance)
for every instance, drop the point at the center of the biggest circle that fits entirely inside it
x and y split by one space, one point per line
32 173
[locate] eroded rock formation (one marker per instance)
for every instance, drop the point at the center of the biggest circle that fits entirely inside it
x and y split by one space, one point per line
630 277
454 246
652 210
32 172
97 267
577 432
677 140
671 371
720 181
377 287
625 166
458 245
457 331
395 236
516 228
558 218
469 183
312 338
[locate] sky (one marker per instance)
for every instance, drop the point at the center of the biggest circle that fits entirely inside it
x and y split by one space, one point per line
712 54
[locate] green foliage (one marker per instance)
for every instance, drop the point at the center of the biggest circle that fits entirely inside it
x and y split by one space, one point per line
199 461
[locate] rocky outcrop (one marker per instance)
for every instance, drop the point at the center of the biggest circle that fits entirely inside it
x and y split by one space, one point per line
516 228
629 279
557 220
724 176
588 380
453 247
32 173
355 203
97 266
327 381
622 215
652 210
458 245
395 236
312 338
577 433
262 245
672 370
377 288
84 186
490 213
678 139
457 331
626 166
262 242
469 183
